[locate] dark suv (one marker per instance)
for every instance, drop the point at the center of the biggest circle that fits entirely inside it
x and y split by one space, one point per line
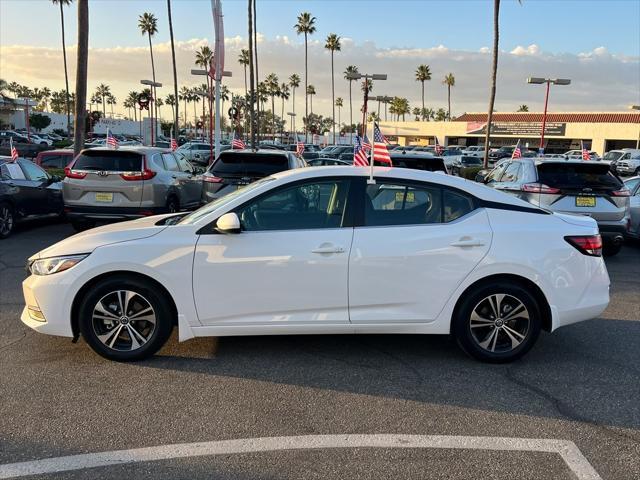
235 168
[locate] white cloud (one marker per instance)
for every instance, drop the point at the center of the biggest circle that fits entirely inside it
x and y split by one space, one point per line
600 80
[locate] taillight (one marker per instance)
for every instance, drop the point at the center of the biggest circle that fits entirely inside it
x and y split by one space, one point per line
146 174
69 173
586 244
211 179
623 192
539 188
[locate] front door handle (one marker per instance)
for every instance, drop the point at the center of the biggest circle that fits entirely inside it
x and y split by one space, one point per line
328 248
468 242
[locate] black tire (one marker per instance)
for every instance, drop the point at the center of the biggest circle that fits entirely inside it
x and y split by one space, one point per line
173 205
82 225
469 338
123 349
7 220
610 249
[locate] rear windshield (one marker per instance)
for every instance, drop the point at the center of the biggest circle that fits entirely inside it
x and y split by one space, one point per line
471 160
115 161
578 176
249 165
428 164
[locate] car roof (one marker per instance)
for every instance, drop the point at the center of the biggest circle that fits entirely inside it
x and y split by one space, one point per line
560 161
130 148
58 151
248 151
479 190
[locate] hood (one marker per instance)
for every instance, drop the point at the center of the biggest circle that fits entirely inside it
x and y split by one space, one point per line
87 242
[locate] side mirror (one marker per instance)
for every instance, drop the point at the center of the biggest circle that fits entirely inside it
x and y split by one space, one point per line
228 223
481 177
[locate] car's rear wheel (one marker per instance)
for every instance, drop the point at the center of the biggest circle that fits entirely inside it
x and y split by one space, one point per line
609 249
498 322
7 220
173 205
124 318
82 225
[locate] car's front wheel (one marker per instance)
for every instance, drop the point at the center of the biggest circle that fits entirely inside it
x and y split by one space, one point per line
125 318
7 220
498 322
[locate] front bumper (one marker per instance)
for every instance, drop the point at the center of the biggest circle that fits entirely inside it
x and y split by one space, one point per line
50 295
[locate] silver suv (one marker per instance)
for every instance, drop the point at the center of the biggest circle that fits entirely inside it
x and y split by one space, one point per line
629 163
127 183
569 186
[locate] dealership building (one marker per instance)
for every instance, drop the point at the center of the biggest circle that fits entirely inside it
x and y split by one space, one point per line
600 132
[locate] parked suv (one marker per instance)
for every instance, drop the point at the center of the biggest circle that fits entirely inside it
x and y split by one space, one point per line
570 186
235 168
54 159
629 163
127 183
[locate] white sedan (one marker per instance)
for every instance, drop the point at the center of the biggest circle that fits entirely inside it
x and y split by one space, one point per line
322 251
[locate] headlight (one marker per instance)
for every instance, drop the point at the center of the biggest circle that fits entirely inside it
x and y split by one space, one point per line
47 266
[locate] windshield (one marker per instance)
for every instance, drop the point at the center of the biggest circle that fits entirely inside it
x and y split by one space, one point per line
114 161
249 164
578 176
612 156
193 217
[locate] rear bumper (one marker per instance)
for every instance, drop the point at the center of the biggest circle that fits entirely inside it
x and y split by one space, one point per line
111 213
613 232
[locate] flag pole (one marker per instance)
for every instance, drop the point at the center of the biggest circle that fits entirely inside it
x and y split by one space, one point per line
372 143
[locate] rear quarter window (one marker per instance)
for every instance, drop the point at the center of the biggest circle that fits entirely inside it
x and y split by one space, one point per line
112 161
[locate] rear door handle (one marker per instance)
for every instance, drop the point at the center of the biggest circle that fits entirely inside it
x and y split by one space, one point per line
328 248
468 242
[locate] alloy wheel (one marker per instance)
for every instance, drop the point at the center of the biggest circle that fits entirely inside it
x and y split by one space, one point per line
6 220
123 320
499 323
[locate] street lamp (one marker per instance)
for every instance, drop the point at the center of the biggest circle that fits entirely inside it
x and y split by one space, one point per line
152 113
548 81
366 77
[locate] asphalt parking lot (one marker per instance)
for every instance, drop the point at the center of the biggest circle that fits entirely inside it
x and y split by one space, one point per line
580 384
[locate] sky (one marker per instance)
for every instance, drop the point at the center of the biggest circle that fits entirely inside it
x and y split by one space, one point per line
596 43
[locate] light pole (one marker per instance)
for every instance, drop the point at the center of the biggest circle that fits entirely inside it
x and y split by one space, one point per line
154 85
217 98
636 107
292 124
548 81
366 77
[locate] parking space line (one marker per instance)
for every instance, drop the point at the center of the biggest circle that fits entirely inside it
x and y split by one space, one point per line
567 450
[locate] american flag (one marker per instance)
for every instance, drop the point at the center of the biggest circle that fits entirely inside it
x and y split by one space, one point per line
112 142
173 145
366 144
585 152
380 152
237 142
14 151
439 149
359 154
299 148
517 153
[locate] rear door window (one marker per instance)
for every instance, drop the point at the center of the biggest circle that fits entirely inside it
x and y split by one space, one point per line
34 172
235 164
578 176
111 161
53 161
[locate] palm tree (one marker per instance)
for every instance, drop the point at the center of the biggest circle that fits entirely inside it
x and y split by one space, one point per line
272 86
423 74
243 59
494 75
523 108
441 115
62 3
311 91
416 112
338 103
46 96
306 26
399 106
171 101
284 95
81 76
224 97
294 82
204 56
159 104
102 93
14 88
428 114
175 73
348 73
111 101
449 81
132 98
148 25
185 95
333 45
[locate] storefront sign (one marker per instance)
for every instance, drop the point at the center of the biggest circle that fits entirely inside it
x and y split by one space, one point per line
518 129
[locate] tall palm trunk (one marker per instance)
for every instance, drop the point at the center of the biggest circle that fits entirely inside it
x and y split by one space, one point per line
66 74
81 76
494 73
104 107
293 118
153 111
333 100
273 114
449 101
245 81
175 74
252 112
306 95
282 117
350 114
255 53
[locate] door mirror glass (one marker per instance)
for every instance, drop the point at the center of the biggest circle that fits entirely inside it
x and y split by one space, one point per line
228 223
